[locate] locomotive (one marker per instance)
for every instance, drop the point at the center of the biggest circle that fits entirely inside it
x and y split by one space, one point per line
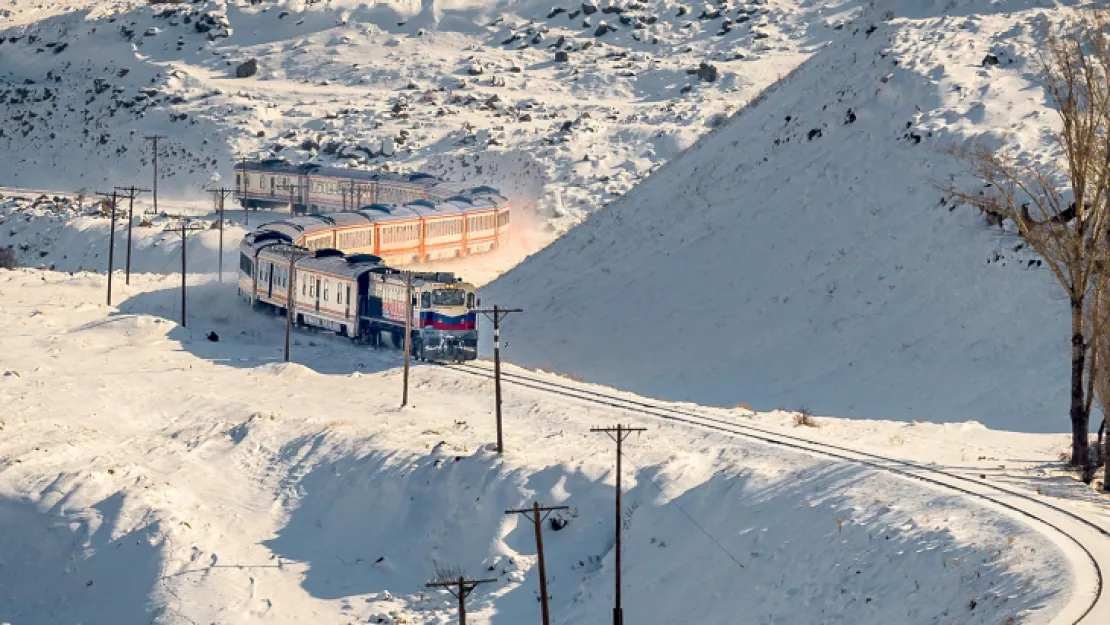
360 297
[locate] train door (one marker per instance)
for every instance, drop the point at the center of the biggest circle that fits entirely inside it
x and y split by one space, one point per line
347 303
317 294
273 186
270 280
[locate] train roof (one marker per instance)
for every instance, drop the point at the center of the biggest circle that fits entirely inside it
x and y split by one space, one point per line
441 188
340 265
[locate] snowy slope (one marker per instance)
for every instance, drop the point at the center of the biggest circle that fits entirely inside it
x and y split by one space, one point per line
471 90
803 255
150 475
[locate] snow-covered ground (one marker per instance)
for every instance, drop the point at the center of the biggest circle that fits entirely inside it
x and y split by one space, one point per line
148 473
804 255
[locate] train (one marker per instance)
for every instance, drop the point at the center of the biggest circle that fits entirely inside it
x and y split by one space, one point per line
360 297
401 218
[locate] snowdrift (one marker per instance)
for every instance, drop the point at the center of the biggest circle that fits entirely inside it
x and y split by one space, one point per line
804 255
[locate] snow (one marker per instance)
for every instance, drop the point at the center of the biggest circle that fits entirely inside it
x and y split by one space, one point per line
803 254
147 473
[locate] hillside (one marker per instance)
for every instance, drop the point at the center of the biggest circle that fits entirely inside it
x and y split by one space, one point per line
803 254
149 475
564 106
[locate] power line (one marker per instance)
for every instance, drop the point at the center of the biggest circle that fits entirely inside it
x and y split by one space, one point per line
686 514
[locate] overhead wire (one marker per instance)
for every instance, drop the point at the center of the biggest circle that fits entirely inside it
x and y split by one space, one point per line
674 502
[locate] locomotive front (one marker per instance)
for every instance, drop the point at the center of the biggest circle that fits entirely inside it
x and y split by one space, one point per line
448 324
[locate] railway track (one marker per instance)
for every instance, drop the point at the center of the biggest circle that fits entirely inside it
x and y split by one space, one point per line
1086 544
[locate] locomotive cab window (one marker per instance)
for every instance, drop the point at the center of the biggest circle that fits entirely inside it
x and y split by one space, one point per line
449 297
470 300
426 300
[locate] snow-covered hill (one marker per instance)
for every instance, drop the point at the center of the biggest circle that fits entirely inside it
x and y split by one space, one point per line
804 255
148 474
563 106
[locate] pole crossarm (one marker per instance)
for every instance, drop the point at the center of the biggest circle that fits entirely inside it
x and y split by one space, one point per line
529 511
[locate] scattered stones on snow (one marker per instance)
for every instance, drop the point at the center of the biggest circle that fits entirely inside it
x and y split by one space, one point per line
247 69
707 72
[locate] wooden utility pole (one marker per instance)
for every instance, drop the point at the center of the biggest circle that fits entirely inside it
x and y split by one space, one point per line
408 335
293 188
534 515
220 194
132 192
496 314
111 241
243 185
618 434
154 139
184 232
461 588
295 254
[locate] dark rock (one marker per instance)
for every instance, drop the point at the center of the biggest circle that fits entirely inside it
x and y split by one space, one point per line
310 144
212 336
850 117
707 72
247 69
603 28
813 134
555 11
990 60
589 9
561 56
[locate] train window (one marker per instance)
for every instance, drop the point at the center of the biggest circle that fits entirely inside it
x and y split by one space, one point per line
339 293
327 283
426 300
470 300
348 294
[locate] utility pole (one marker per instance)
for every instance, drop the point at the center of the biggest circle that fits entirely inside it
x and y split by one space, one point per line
533 515
408 335
111 242
154 139
184 232
464 588
496 314
618 434
220 194
295 254
243 185
293 188
132 193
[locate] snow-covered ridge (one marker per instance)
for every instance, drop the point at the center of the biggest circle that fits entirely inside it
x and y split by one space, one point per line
564 107
804 256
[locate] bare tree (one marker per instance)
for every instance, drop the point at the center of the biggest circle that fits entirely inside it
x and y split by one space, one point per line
1068 232
1099 323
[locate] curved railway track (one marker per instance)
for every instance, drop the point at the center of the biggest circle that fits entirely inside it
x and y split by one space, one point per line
1082 541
